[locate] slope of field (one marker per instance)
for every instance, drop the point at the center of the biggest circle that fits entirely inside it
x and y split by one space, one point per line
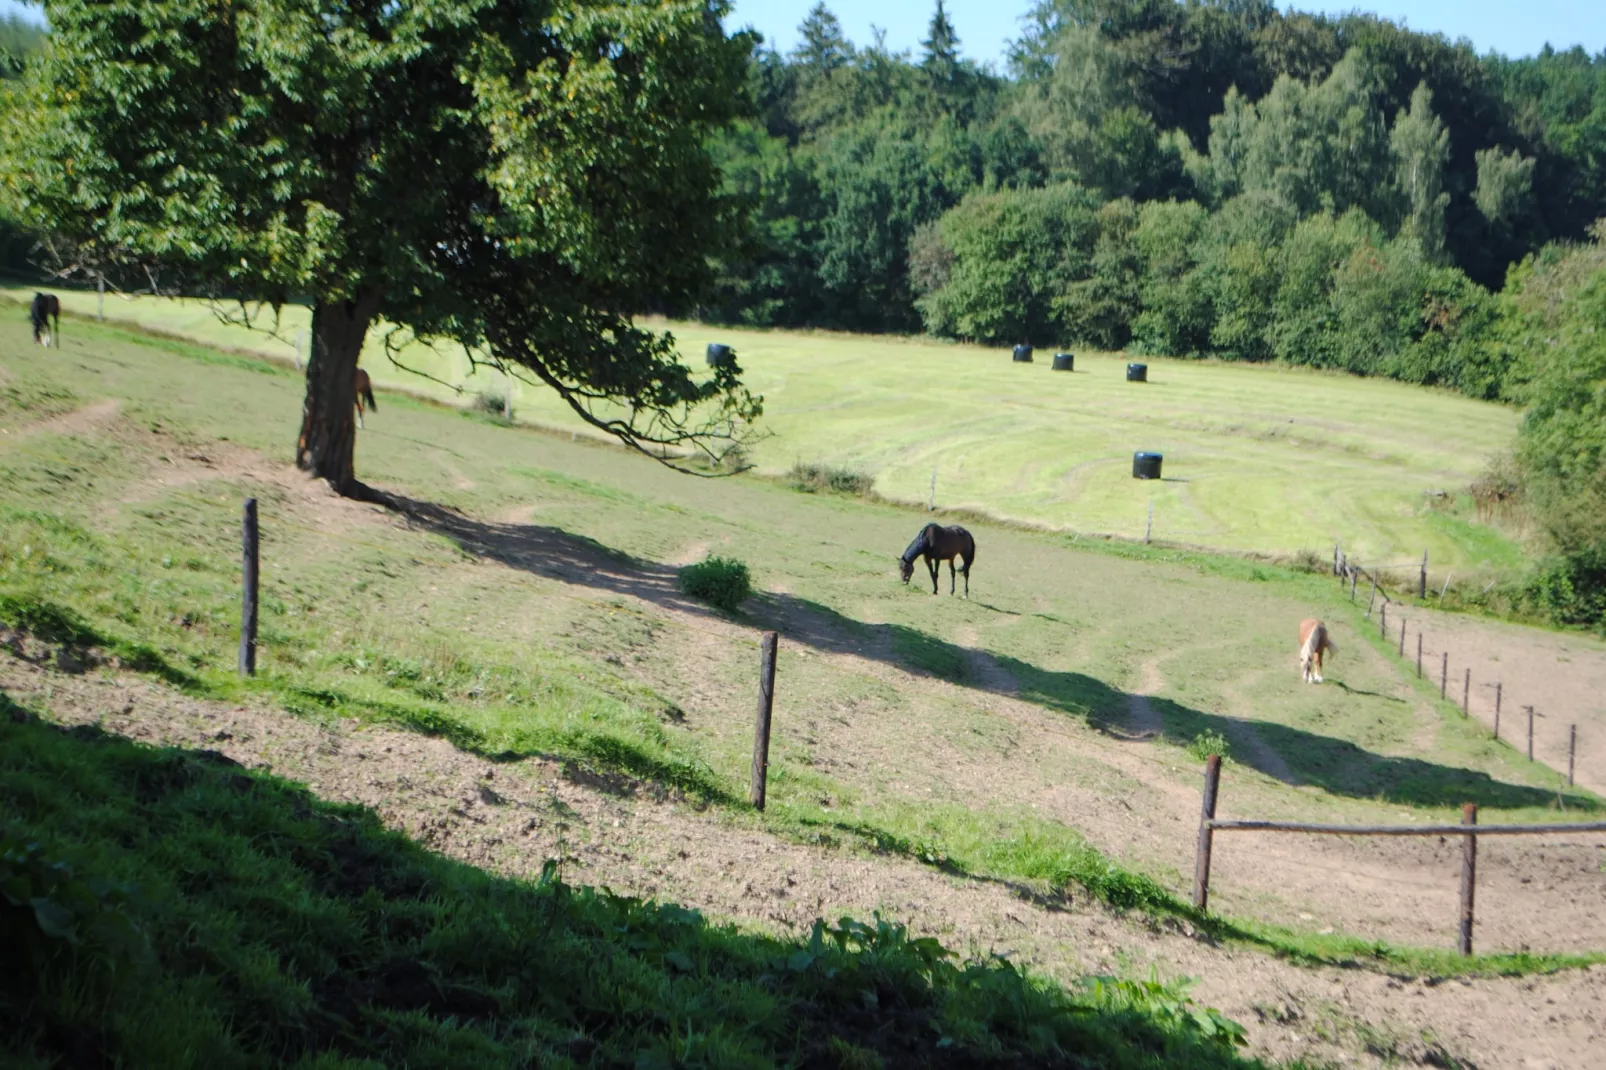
1265 459
523 607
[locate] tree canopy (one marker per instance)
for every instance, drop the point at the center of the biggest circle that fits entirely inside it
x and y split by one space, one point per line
517 176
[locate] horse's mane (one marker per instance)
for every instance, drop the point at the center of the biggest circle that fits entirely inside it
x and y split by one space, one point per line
920 543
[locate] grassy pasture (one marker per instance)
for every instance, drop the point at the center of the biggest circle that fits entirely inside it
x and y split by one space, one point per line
1262 459
543 619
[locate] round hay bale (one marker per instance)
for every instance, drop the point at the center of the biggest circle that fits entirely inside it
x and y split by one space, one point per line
1137 373
1023 354
1064 362
1146 465
718 354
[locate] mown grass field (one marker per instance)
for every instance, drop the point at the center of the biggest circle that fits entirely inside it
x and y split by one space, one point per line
544 618
1261 459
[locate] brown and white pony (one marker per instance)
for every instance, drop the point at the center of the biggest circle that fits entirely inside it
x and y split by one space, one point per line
938 544
364 391
1313 643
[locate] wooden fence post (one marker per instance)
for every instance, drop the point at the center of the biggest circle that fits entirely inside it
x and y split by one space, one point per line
1383 622
1419 655
1466 695
1469 875
100 297
1201 863
1422 581
1373 600
1530 710
1352 575
1498 687
1572 748
761 733
1444 674
1402 639
248 597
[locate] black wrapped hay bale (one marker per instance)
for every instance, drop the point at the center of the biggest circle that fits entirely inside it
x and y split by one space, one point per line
1146 465
1023 354
718 355
1064 362
1137 373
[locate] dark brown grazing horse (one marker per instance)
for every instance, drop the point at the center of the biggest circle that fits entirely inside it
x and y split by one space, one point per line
364 392
938 544
45 307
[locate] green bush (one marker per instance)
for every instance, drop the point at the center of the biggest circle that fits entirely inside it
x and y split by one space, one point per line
1206 743
719 581
1571 589
817 477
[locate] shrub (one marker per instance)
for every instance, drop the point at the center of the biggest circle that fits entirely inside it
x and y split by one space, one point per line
1206 743
491 401
1571 589
719 581
812 478
1308 561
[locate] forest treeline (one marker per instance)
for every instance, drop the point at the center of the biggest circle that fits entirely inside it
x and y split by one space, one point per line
1211 178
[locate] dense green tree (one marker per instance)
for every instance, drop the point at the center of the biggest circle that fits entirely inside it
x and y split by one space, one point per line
504 174
1421 147
1562 448
1009 256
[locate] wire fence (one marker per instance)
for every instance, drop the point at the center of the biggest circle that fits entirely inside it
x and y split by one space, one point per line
1457 686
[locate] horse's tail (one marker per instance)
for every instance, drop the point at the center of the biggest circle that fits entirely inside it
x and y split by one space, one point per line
970 551
1327 642
368 395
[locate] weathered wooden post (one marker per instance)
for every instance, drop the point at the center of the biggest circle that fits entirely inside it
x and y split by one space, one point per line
1497 689
1422 580
1370 602
1383 622
1466 694
761 733
1572 748
1402 639
100 297
1469 875
1148 525
248 597
1419 655
1352 576
1444 674
1530 710
1201 863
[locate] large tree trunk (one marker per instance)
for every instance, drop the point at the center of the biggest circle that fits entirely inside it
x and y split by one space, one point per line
328 422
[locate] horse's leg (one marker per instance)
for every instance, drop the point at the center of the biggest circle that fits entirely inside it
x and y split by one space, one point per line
967 578
951 583
935 566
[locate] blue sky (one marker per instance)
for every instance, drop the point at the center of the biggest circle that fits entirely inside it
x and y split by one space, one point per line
1516 29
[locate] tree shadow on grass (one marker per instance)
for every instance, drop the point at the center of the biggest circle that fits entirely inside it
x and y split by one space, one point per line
1293 755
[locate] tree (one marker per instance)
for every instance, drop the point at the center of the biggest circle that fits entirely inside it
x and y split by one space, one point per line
823 47
1421 147
515 177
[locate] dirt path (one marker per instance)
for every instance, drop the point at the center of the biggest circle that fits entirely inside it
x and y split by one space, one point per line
1142 720
511 817
1563 676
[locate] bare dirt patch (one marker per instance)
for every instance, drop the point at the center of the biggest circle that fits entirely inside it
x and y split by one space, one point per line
1563 676
512 817
87 418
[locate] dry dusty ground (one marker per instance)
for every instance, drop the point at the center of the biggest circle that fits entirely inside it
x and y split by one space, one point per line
1562 676
512 817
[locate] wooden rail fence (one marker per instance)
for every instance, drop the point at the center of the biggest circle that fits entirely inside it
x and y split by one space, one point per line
1469 828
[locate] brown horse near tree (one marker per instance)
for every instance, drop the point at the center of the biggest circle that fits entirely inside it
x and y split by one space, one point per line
938 544
364 391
